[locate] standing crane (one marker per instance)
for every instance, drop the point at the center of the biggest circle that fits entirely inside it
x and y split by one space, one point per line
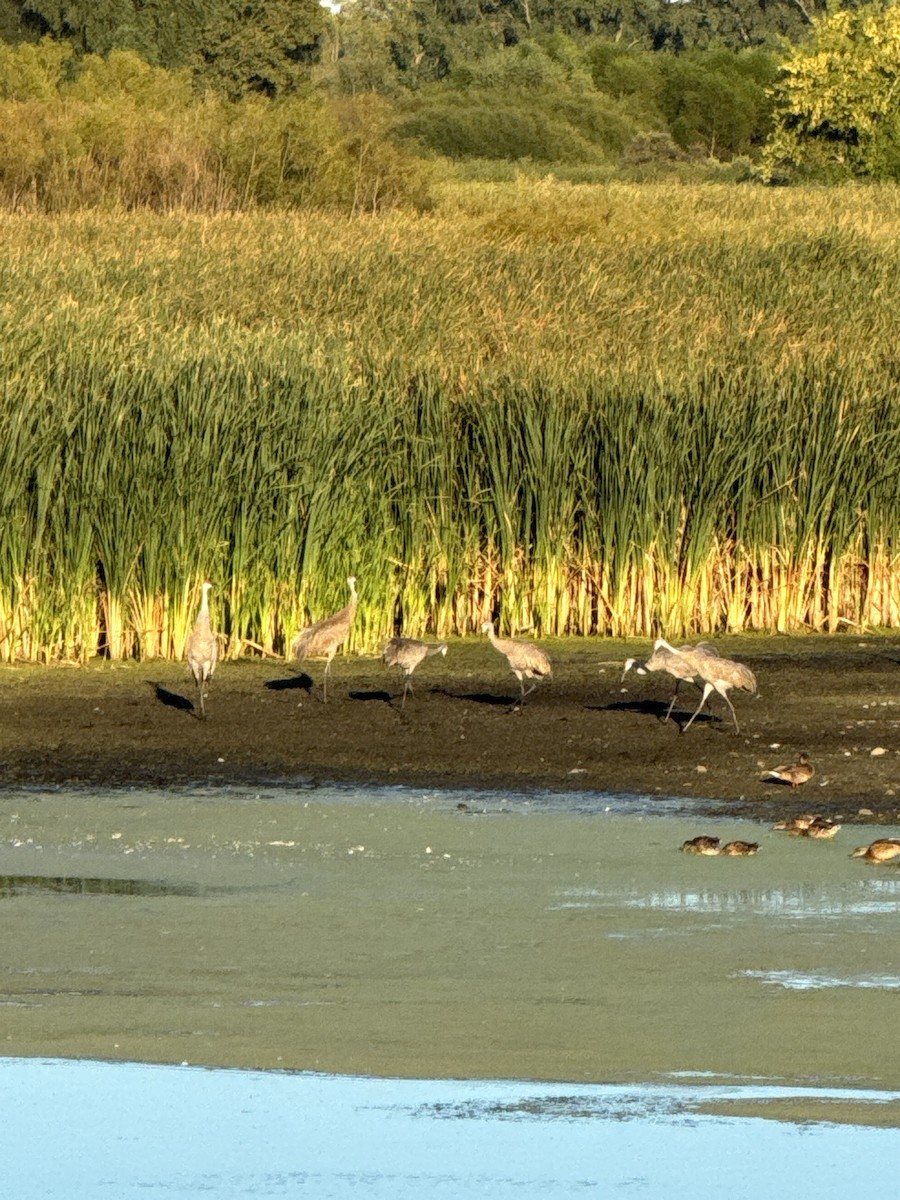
202 648
325 637
674 663
526 660
407 653
718 675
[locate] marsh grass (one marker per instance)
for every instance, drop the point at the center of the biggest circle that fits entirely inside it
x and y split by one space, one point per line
613 410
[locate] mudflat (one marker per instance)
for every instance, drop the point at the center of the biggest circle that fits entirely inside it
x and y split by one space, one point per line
183 890
136 724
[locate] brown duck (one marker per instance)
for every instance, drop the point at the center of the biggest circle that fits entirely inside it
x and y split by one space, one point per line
739 849
701 845
821 828
880 851
794 774
796 826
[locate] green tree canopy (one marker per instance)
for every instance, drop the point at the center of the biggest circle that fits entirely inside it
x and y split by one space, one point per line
838 99
240 46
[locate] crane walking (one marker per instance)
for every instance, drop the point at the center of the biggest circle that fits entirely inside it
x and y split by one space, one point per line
674 663
407 653
526 660
324 638
717 674
202 648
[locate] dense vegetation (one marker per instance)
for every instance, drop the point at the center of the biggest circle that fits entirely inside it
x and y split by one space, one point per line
589 405
224 104
617 409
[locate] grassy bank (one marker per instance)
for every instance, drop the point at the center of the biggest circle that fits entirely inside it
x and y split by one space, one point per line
611 410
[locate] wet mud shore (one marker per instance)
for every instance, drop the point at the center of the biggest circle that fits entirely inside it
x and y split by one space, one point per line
136 724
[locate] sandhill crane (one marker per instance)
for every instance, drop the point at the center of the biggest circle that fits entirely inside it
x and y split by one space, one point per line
407 653
793 773
718 675
674 663
882 850
202 647
323 639
526 660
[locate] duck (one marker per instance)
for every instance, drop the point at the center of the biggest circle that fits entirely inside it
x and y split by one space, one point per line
701 845
879 851
821 827
739 849
794 774
796 826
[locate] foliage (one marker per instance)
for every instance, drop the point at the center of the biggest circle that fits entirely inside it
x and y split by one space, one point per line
597 410
33 72
237 46
262 46
167 35
551 126
717 99
837 109
119 131
714 99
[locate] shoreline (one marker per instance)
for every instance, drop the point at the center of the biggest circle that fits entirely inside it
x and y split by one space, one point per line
127 725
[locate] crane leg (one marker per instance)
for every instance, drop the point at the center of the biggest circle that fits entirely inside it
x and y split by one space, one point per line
325 681
407 687
724 695
706 691
200 693
674 698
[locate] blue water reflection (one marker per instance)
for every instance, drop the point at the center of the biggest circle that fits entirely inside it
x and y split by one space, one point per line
83 1130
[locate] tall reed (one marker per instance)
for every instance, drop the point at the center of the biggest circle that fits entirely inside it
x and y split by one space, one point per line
661 410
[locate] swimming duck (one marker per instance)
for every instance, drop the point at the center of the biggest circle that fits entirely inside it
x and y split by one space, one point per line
793 773
739 849
796 826
821 828
879 851
701 845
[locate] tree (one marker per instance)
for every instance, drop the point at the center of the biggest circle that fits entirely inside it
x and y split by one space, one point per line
163 33
837 109
716 99
264 46
240 46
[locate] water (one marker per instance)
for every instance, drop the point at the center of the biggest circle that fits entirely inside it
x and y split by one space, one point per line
87 1130
387 955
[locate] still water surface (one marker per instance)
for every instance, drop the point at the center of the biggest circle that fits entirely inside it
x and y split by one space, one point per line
667 1002
87 1130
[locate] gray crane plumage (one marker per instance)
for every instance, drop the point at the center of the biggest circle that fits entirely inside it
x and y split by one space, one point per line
674 663
718 675
202 648
324 638
526 660
407 653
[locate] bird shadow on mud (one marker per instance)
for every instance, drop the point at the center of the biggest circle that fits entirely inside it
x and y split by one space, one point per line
172 699
384 697
649 708
290 682
655 708
486 698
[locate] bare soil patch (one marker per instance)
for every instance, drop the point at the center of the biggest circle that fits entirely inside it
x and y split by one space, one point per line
136 724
